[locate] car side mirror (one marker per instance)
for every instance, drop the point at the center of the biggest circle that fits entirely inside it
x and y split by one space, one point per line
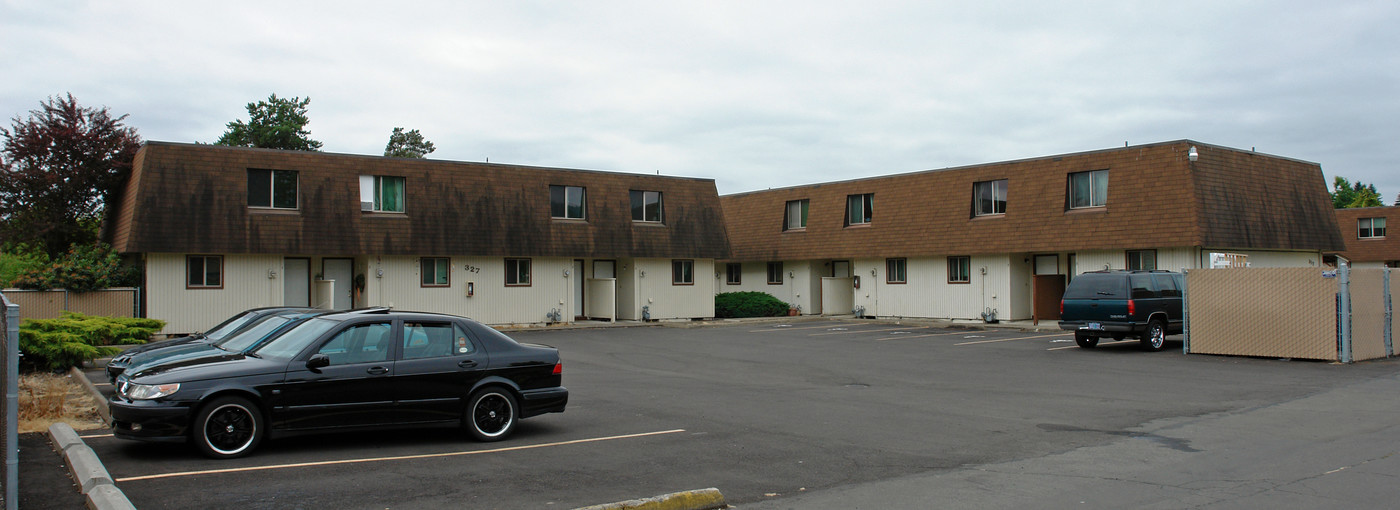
318 361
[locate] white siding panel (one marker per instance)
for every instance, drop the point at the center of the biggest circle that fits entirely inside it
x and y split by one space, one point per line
492 302
246 285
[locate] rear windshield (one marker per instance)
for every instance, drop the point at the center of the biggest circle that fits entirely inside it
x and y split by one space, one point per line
1102 286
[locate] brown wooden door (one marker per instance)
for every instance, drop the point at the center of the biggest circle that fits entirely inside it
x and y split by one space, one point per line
1049 288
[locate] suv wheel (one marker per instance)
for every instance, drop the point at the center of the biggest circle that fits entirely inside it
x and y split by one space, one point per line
1085 341
1154 336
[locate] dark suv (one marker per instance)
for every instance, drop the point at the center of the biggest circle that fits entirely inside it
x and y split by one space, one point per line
1120 304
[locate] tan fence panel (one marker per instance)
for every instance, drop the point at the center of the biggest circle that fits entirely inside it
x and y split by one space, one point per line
47 304
107 303
1367 314
1268 312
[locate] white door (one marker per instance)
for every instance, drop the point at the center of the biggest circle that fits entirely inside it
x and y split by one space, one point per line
342 271
578 288
296 282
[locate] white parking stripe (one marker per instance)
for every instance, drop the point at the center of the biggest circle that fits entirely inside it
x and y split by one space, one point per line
1076 346
382 459
853 331
1009 339
95 436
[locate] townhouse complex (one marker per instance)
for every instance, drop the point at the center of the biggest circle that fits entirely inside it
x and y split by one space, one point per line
220 229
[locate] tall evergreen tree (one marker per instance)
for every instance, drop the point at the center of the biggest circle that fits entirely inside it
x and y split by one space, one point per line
277 123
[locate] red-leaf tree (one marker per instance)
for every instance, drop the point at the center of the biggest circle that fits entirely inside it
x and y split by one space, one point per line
58 169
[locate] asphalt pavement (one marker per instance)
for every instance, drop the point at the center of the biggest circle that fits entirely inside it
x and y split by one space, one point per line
815 414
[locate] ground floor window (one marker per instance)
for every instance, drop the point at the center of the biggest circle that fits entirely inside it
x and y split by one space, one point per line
518 272
204 271
682 272
435 271
733 274
896 270
960 269
1142 259
775 273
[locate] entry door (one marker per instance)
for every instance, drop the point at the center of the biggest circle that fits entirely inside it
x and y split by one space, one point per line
841 269
1047 288
296 282
578 288
343 272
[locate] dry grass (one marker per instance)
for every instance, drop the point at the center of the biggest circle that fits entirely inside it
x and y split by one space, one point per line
45 399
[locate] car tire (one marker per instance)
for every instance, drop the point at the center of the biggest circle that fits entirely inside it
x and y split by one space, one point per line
1086 341
491 414
1154 336
228 428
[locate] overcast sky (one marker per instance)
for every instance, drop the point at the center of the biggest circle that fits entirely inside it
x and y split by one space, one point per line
752 94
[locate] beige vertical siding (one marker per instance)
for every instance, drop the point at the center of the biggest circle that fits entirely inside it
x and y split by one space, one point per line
492 302
668 301
246 285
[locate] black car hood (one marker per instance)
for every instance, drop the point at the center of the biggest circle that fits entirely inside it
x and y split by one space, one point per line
215 364
162 344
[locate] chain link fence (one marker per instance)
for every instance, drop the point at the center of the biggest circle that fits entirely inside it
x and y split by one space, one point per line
9 362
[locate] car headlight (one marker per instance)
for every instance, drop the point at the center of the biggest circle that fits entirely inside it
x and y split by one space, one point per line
148 391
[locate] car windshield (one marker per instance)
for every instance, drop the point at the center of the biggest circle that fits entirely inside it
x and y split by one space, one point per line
1092 286
289 344
217 333
253 334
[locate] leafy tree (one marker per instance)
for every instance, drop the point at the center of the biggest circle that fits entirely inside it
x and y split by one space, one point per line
409 144
58 169
1346 195
277 123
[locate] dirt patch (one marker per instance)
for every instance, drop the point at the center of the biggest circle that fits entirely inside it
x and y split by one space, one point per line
45 399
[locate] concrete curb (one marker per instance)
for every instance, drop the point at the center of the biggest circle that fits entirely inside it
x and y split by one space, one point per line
87 470
703 499
97 397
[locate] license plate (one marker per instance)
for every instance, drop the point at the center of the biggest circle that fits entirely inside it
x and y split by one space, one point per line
1093 325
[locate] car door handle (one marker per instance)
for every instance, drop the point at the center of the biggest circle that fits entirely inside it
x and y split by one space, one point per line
377 370
467 363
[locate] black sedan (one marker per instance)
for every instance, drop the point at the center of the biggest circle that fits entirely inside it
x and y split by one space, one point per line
343 371
235 324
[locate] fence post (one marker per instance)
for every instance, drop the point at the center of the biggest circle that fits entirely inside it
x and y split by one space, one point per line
1185 312
11 356
1344 313
1389 313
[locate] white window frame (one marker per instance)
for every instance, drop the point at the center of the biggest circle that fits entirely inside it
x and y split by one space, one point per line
997 191
1098 189
1366 228
372 193
795 214
650 202
570 192
867 206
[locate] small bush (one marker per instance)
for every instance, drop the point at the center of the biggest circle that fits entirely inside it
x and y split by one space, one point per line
56 344
748 304
84 268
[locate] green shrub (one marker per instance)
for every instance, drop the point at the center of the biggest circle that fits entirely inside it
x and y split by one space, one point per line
14 264
748 304
56 344
84 268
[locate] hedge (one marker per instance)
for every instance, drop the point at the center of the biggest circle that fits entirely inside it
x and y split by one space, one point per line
748 304
56 344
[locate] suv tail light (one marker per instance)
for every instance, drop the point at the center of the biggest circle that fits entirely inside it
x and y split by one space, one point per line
1132 308
558 369
1062 308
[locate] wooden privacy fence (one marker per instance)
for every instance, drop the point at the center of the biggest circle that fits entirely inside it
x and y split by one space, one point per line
46 304
1304 312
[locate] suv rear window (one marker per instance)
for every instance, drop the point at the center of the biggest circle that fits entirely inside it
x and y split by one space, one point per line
1097 286
1142 286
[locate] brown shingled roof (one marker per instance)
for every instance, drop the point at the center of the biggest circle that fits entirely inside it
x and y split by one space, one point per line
193 199
1227 199
1370 250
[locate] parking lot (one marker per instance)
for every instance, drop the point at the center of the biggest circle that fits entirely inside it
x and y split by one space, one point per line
770 413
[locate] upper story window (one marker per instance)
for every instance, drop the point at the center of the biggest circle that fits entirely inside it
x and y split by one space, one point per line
990 197
1142 259
859 209
896 270
273 189
1370 228
795 216
682 272
381 193
567 202
1088 189
733 273
204 271
436 271
646 206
